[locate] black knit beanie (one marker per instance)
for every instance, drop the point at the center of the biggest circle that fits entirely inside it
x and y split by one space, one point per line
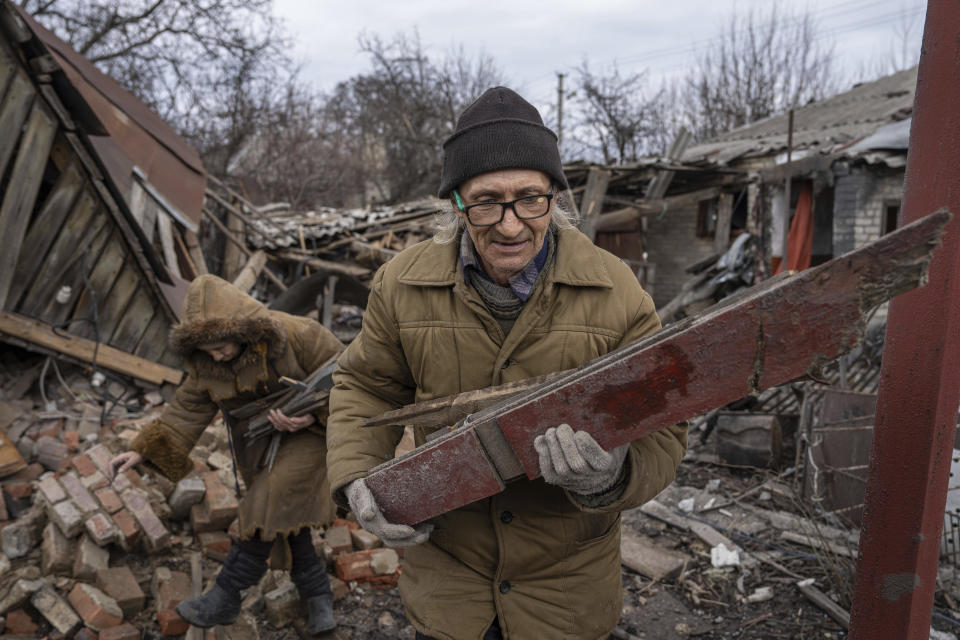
500 130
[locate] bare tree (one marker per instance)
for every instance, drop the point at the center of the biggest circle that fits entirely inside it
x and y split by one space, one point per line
170 52
762 63
400 112
614 118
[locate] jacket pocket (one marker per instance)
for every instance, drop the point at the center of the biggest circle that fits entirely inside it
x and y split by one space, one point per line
593 527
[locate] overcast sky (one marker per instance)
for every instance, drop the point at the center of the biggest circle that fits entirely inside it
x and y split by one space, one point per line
532 41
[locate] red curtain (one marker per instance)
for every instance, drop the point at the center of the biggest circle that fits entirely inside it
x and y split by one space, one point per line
800 240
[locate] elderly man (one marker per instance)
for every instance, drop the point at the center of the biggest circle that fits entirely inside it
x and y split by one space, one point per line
508 289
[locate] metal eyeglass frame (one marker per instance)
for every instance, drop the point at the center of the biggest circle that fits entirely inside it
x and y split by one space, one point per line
503 207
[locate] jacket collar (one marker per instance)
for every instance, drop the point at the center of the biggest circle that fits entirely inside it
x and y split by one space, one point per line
578 263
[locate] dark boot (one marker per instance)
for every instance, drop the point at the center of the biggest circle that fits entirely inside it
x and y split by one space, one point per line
221 604
310 577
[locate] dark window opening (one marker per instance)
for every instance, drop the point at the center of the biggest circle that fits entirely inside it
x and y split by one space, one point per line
891 211
707 218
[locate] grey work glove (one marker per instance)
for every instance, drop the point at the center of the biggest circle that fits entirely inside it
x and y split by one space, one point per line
574 461
364 506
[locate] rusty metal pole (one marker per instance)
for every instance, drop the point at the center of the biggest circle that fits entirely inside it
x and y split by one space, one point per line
920 378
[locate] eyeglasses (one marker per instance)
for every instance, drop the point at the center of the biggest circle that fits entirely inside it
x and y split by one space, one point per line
487 214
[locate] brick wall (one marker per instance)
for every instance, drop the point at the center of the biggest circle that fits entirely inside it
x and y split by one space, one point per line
860 200
672 245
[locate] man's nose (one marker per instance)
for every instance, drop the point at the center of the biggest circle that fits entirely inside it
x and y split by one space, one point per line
511 225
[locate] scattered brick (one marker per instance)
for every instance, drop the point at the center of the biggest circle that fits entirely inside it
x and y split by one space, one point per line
50 452
187 493
354 566
121 483
220 500
97 609
84 465
71 438
384 562
19 593
19 623
171 624
120 584
170 588
66 516
57 551
215 544
86 633
282 605
125 631
128 527
340 588
339 539
101 457
200 518
364 540
78 493
156 535
101 529
19 490
18 538
134 478
30 473
51 490
108 499
56 610
90 559
349 524
95 481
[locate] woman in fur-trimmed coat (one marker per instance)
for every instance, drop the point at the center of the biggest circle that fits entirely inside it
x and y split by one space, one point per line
235 351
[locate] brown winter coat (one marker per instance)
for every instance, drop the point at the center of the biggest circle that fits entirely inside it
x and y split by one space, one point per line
295 493
548 566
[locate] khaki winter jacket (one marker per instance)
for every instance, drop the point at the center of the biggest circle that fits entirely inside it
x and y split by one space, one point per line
548 566
294 494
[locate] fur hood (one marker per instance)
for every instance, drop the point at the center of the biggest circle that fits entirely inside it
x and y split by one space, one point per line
216 311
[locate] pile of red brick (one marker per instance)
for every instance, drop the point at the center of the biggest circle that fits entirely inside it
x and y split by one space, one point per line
357 556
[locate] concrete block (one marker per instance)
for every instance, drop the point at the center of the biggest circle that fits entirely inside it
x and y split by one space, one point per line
384 562
364 540
120 584
156 536
101 529
66 516
282 605
187 493
20 537
125 631
50 490
21 591
56 610
90 559
108 499
57 551
97 609
82 498
339 539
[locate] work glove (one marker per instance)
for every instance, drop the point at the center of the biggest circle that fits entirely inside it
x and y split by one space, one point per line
574 461
364 506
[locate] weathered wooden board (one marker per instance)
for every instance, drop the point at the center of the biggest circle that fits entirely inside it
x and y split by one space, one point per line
81 226
134 322
114 359
21 192
643 555
773 333
154 340
102 276
13 113
56 312
7 68
43 231
165 230
115 304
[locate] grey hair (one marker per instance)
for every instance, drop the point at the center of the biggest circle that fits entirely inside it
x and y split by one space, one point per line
449 225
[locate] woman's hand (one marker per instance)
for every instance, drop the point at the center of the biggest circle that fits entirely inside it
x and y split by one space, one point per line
123 462
281 422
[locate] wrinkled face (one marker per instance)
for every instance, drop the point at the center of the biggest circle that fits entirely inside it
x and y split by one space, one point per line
221 351
506 248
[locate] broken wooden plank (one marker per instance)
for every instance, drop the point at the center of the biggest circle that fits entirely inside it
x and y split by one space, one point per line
165 229
134 322
325 265
250 271
40 334
103 273
823 601
749 343
819 544
154 339
113 305
242 247
641 554
22 189
721 233
13 113
592 202
71 283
